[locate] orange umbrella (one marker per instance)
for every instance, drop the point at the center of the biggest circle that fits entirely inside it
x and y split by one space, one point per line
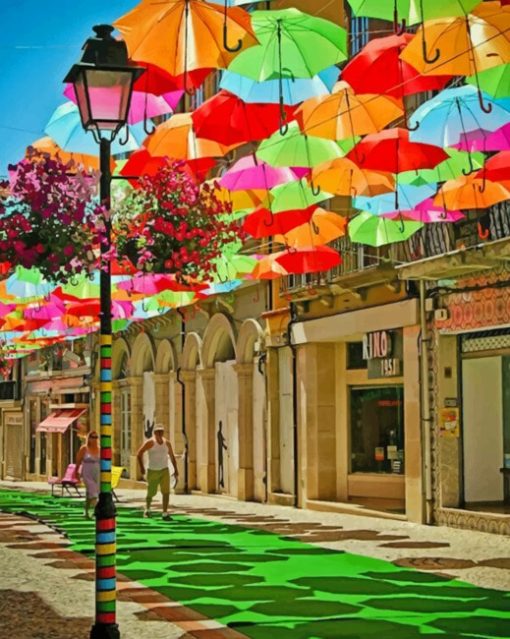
47 145
268 268
470 193
343 114
324 226
183 35
248 199
176 138
342 176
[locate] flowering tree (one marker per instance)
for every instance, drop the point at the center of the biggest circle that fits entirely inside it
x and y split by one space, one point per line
49 218
171 225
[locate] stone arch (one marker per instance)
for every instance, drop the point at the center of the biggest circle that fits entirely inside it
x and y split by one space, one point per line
143 357
165 357
251 332
120 352
191 357
219 341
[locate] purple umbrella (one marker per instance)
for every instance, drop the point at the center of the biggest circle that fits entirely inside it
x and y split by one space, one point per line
250 173
143 105
484 141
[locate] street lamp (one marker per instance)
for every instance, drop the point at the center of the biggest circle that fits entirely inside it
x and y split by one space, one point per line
103 82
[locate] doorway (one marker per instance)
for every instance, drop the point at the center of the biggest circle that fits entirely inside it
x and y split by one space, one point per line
227 430
125 429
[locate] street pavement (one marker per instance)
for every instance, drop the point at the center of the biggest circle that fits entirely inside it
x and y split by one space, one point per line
41 575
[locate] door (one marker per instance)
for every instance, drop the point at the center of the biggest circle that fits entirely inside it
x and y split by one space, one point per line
286 431
125 429
227 431
14 457
259 435
482 427
149 403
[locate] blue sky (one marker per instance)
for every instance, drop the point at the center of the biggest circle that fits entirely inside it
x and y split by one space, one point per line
39 41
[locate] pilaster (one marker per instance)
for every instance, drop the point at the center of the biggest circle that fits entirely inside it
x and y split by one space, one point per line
136 390
207 468
245 487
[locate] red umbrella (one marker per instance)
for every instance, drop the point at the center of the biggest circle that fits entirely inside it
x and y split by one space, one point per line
391 150
141 162
309 260
226 119
158 81
497 168
264 223
377 68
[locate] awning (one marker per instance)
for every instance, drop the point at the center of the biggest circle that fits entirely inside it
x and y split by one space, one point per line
60 420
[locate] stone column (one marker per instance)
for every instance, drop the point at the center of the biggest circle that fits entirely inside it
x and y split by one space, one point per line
245 488
189 411
273 421
136 390
162 411
207 470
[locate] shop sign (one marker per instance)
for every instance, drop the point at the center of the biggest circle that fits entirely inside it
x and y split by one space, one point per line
449 422
382 352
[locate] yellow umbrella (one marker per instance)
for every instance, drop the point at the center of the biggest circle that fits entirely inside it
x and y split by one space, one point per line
470 193
184 35
324 226
241 200
343 177
344 114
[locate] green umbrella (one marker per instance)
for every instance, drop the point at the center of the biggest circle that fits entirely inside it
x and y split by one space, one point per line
296 149
459 162
412 11
373 230
292 45
81 287
494 81
295 196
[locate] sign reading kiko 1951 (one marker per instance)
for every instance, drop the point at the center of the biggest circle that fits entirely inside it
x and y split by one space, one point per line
382 351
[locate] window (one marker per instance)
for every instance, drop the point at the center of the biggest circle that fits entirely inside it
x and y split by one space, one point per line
359 34
377 429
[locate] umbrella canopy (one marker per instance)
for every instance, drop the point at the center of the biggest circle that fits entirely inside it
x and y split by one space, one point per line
458 163
497 168
177 139
343 177
427 212
264 223
481 140
408 198
295 195
268 268
324 227
393 151
291 90
296 149
248 173
309 260
343 114
411 11
292 44
65 128
378 68
494 81
442 120
159 82
47 145
370 229
471 192
226 119
182 35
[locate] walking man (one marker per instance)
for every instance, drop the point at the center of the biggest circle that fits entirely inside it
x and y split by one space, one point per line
158 450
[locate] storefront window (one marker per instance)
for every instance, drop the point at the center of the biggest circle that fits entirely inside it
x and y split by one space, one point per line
377 429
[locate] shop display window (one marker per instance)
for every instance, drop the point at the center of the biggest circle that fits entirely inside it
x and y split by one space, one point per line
377 429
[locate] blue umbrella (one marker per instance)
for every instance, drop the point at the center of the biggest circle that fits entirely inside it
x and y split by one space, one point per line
446 118
66 130
408 197
294 91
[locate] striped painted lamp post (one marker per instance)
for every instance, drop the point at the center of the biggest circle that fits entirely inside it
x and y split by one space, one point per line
103 82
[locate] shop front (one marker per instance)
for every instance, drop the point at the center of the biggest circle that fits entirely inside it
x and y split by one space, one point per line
359 418
14 457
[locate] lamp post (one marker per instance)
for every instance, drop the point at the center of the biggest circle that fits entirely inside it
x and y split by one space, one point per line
103 82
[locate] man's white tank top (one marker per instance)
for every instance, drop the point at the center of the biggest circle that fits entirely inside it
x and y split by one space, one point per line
158 456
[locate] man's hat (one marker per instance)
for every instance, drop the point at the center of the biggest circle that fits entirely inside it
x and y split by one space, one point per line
158 427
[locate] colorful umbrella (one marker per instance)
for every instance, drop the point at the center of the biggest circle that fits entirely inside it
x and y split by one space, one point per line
309 260
249 173
182 35
226 119
268 268
485 141
427 212
295 195
324 227
458 163
159 82
370 229
343 177
494 81
497 168
264 223
470 192
292 90
47 145
408 197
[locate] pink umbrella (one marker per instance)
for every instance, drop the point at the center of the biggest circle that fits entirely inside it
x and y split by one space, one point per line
50 310
250 173
151 284
143 105
5 309
484 141
426 212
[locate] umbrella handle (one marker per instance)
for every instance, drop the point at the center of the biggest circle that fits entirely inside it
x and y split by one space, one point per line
425 54
146 129
410 127
225 34
483 185
486 108
315 228
284 127
126 140
399 29
315 189
483 234
402 226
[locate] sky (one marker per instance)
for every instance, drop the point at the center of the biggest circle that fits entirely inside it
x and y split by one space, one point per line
39 41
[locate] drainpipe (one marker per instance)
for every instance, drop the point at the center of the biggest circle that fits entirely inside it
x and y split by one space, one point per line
295 440
183 404
426 419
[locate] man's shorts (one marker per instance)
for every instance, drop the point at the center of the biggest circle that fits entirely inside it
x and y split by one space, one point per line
157 478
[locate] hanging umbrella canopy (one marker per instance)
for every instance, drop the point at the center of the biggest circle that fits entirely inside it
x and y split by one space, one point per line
394 152
378 68
296 149
411 11
177 139
458 163
295 195
442 120
268 268
408 197
494 81
264 223
159 82
226 119
343 177
485 141
292 90
324 227
65 128
292 44
249 173
47 145
497 168
343 114
427 212
309 260
372 230
471 192
183 35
